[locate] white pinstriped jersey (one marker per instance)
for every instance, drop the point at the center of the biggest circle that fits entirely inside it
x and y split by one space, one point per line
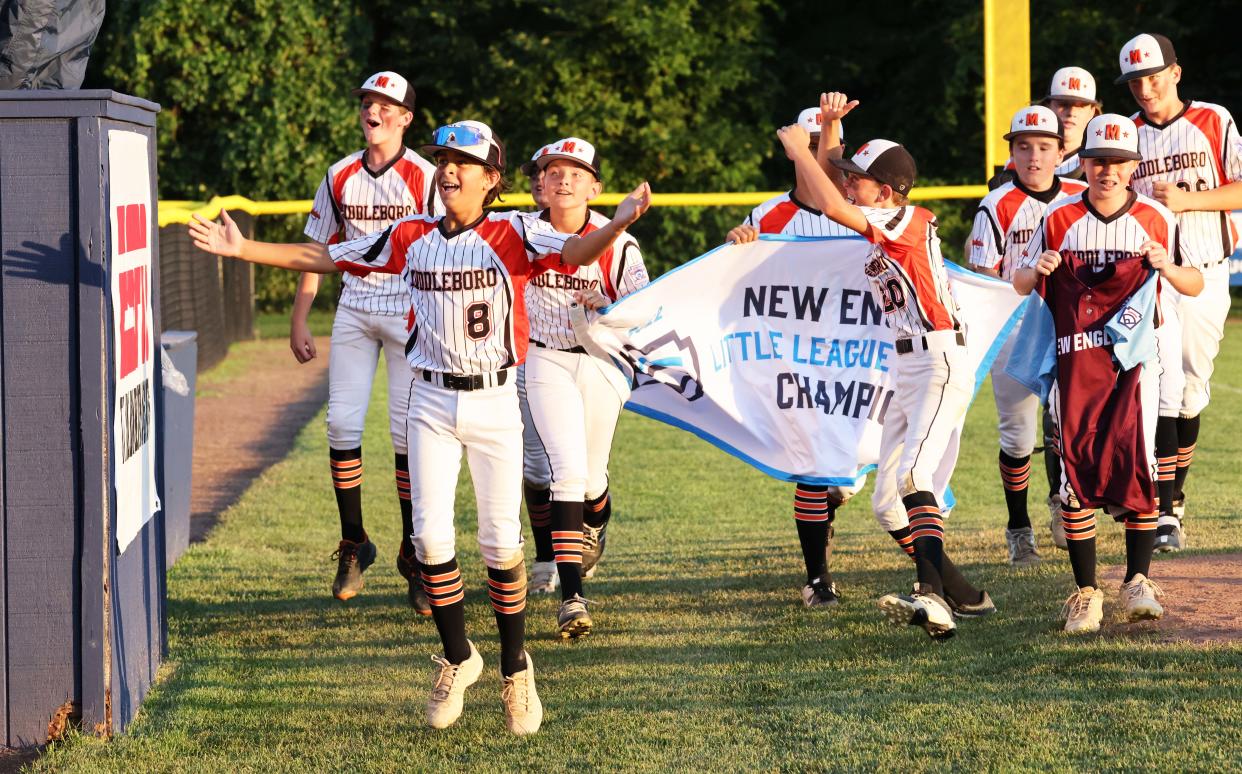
353 201
1070 166
785 214
907 270
1072 225
467 288
1006 220
617 273
1199 149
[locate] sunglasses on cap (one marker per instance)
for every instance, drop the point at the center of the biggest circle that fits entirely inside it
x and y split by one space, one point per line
457 135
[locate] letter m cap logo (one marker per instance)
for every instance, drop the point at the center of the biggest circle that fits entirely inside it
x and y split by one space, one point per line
1136 56
1075 84
1032 119
1112 132
381 81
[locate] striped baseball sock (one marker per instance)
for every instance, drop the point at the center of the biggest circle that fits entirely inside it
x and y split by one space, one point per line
927 529
598 510
1080 540
1187 440
567 545
813 515
1166 461
1140 542
905 541
507 590
445 592
1016 477
403 499
347 484
539 510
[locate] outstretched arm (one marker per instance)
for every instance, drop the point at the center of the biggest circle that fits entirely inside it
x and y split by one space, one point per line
833 106
823 193
226 239
582 250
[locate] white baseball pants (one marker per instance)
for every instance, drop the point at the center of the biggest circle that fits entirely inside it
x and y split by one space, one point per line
357 339
1203 326
535 467
1169 347
487 424
574 410
1016 406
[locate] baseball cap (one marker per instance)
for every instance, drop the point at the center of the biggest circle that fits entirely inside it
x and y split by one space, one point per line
1110 136
1035 119
573 149
473 138
1073 83
388 84
883 160
1145 54
528 168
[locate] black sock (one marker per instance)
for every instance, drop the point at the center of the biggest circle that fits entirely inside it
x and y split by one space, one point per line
1166 461
1140 542
567 545
507 589
1016 477
598 510
956 585
539 511
904 541
1052 455
1187 440
403 500
1080 540
347 484
813 515
927 528
442 582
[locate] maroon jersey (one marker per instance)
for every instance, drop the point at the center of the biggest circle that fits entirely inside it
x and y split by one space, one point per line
1100 406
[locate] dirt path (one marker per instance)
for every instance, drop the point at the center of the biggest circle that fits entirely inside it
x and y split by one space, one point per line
1199 592
247 421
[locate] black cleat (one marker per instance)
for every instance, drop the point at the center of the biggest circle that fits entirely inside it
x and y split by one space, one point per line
352 560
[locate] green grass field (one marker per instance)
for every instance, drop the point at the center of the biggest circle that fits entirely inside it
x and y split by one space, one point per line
703 656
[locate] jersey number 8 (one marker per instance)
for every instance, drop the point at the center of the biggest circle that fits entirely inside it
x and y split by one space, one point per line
478 320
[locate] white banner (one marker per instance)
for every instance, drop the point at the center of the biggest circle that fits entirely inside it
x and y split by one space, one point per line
777 353
131 221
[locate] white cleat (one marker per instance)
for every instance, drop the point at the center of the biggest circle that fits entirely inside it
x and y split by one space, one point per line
1141 599
922 609
1083 611
543 578
523 710
448 695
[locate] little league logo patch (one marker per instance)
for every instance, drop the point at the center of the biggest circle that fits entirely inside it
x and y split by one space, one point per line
669 360
1130 317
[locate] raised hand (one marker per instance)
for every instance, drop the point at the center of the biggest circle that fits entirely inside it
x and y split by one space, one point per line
633 206
795 139
223 238
833 106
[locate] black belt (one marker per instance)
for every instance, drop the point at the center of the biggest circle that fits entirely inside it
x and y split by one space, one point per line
906 346
468 382
579 350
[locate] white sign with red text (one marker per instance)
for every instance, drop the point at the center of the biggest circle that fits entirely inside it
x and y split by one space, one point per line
131 218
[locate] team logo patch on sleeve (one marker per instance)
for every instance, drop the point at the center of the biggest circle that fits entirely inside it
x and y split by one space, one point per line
1130 317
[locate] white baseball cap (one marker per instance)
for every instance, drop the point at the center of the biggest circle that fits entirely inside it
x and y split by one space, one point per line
1035 119
388 84
573 149
1111 136
528 168
1145 54
812 119
1074 84
884 161
472 138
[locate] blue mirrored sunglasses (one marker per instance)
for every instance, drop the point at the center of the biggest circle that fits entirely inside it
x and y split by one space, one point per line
457 136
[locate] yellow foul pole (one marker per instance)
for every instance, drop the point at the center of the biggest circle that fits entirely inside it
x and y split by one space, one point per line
1006 72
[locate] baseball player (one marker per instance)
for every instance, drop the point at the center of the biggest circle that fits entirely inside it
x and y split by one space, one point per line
535 473
572 405
1092 262
815 506
933 376
365 192
466 274
1071 95
1004 223
1192 164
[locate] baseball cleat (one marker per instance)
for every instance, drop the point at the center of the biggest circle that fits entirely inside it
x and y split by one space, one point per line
1056 525
923 609
448 693
971 609
415 592
352 560
1021 544
1083 611
817 593
573 618
593 540
1179 508
1169 534
523 710
543 578
1140 597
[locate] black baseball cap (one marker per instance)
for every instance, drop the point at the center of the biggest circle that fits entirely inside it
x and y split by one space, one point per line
884 161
